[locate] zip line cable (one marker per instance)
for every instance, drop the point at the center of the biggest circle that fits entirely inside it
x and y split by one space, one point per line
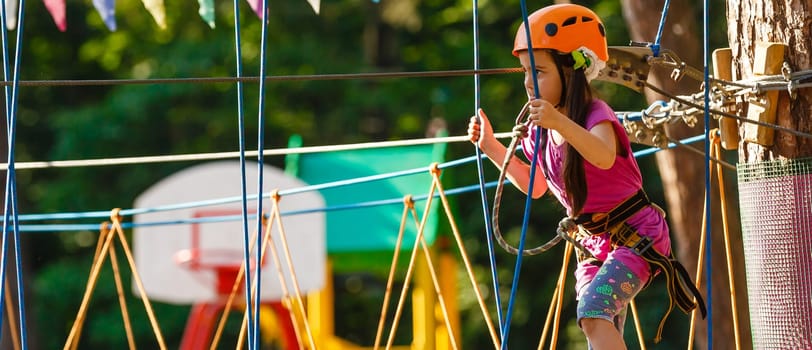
254 79
726 114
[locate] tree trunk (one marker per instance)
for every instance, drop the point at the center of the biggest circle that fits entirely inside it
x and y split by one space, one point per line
683 172
782 21
776 207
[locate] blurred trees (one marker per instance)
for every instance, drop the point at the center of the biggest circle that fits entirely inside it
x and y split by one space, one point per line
351 36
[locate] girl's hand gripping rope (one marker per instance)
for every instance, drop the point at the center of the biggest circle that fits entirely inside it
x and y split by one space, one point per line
479 129
544 114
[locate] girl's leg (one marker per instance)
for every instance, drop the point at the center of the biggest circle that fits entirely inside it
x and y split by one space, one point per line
602 304
602 334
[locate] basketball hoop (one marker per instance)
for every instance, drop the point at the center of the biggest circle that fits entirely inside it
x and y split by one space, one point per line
225 263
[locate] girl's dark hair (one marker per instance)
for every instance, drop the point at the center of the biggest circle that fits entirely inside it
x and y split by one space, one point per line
576 98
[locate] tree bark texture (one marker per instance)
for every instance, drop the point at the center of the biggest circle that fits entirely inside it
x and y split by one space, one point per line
782 21
683 172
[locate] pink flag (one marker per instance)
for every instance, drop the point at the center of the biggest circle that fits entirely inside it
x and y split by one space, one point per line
256 5
57 10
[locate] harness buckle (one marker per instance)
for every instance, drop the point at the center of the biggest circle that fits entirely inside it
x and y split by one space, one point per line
645 242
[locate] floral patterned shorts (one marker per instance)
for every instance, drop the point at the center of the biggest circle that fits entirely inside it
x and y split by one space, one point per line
608 294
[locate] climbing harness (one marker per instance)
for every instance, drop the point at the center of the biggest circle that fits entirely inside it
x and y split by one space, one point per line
680 287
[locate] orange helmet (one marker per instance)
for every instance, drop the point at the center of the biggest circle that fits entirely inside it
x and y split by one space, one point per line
565 28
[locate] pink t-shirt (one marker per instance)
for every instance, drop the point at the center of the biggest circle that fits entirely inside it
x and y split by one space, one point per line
605 190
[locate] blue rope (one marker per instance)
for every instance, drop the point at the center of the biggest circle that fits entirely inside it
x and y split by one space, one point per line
226 200
655 48
708 240
480 172
7 95
241 126
39 228
533 163
260 146
10 205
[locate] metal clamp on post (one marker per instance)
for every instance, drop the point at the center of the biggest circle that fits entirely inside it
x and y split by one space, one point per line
627 66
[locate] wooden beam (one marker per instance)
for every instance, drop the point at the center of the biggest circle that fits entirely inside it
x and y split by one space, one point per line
768 60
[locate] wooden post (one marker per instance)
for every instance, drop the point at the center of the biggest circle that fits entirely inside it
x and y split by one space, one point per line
728 127
768 60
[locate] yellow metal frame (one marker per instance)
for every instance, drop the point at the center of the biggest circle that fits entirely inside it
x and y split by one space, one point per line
429 329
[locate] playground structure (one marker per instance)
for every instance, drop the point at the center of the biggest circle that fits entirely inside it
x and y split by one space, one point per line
201 263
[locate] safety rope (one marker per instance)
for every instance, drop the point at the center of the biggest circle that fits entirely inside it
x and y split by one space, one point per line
520 132
298 295
107 234
699 107
481 177
716 144
707 114
655 48
235 288
717 151
252 327
409 270
419 240
434 279
390 281
10 208
261 170
125 314
234 199
556 302
538 140
12 324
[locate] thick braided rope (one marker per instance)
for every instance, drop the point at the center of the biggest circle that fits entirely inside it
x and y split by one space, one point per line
566 228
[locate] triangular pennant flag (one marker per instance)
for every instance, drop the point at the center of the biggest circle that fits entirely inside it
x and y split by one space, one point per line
57 10
11 14
107 11
156 8
315 4
206 11
256 5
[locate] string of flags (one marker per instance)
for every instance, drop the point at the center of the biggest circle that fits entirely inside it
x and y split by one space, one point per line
106 9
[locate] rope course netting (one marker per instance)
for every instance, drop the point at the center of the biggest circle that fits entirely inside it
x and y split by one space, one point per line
629 67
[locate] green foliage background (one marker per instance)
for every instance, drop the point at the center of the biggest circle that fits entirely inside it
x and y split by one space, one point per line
348 36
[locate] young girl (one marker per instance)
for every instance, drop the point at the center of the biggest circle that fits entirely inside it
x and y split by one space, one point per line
588 163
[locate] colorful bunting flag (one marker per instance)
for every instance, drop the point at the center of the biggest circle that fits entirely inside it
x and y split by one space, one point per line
57 10
107 11
206 11
256 5
11 14
156 8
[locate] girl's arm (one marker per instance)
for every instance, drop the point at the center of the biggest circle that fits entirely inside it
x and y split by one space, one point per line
518 172
597 145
